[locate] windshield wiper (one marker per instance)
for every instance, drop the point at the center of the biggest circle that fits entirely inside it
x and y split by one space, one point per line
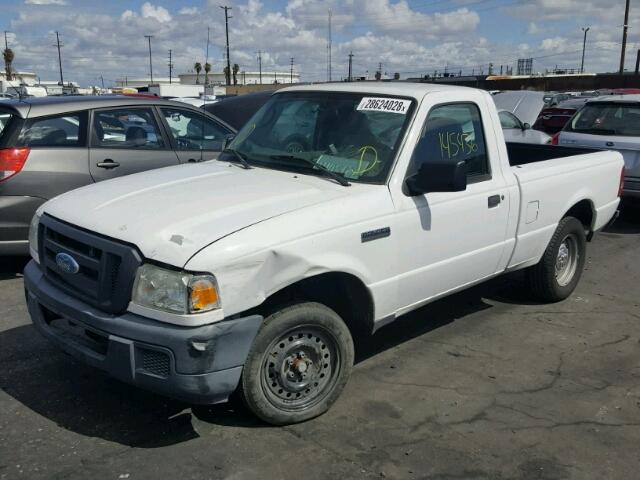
239 156
321 168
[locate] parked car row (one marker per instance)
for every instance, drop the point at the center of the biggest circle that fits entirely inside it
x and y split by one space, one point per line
609 123
51 145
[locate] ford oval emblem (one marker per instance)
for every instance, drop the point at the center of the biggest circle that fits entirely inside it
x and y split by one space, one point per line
67 263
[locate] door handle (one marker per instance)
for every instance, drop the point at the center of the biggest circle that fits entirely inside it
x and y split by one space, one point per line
108 164
493 201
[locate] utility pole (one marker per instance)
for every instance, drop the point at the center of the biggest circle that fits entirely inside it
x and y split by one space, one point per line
329 49
170 64
102 81
206 60
638 62
291 74
584 46
625 28
260 65
148 37
350 77
59 57
226 25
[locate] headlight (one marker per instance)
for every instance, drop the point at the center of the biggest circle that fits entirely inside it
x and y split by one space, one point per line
33 237
175 292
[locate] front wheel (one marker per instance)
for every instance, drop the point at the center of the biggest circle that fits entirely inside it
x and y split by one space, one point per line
557 274
298 365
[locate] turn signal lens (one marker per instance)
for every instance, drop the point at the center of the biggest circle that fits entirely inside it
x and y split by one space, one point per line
203 294
555 139
11 161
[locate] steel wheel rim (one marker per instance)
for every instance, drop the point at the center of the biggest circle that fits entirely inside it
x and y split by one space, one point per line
567 260
300 368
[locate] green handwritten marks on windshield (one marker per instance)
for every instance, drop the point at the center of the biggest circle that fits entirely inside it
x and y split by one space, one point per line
366 162
454 144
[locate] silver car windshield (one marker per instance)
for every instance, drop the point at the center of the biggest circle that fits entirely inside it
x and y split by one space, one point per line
600 118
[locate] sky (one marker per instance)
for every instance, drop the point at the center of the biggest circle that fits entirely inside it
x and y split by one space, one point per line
412 37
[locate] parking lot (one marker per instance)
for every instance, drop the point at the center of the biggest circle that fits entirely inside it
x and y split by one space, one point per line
482 385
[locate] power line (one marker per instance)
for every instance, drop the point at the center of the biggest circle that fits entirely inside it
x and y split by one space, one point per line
226 25
149 37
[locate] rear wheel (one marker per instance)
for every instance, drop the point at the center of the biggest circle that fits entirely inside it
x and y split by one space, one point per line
557 274
298 365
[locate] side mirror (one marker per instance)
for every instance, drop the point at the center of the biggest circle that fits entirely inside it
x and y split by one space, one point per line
438 177
227 140
526 126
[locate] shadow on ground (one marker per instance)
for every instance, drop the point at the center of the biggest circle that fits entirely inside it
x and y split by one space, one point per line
12 267
629 220
87 402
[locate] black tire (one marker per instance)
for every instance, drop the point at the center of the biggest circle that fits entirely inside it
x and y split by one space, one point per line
298 364
544 280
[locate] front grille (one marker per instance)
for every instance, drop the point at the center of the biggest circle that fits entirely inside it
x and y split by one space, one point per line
154 362
106 267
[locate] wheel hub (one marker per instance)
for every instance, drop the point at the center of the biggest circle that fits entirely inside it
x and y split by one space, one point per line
567 260
299 368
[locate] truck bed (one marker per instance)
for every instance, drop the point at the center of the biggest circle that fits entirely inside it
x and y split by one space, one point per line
523 153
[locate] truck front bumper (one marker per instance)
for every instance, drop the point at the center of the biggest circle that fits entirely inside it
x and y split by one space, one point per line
199 365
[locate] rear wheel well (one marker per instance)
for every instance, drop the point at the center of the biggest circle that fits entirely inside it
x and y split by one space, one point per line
344 293
583 211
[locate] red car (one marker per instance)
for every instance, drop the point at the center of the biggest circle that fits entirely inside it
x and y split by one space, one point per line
552 119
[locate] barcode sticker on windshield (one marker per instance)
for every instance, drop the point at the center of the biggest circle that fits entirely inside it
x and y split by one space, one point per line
391 105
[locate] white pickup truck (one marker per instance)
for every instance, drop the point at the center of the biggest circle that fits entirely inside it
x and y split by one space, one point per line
335 210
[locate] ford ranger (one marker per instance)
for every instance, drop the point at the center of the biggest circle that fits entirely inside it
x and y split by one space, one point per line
336 209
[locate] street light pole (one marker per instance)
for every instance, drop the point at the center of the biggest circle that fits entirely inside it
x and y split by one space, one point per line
148 37
584 45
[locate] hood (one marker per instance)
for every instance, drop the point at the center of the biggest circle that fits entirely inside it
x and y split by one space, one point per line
172 213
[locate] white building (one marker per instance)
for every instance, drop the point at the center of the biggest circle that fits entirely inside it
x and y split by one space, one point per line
215 78
18 79
243 77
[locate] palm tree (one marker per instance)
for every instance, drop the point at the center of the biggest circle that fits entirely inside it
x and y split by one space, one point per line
198 68
227 75
207 69
8 56
236 69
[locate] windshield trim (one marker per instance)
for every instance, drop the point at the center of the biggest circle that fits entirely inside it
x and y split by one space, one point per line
410 116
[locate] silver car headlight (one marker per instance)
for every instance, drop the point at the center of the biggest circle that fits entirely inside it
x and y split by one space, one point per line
173 291
33 237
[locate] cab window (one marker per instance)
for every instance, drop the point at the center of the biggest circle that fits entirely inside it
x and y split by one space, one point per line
454 133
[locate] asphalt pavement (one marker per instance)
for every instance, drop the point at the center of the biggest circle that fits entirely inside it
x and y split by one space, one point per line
486 384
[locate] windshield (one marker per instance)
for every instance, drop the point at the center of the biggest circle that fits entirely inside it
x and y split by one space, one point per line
353 135
607 119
